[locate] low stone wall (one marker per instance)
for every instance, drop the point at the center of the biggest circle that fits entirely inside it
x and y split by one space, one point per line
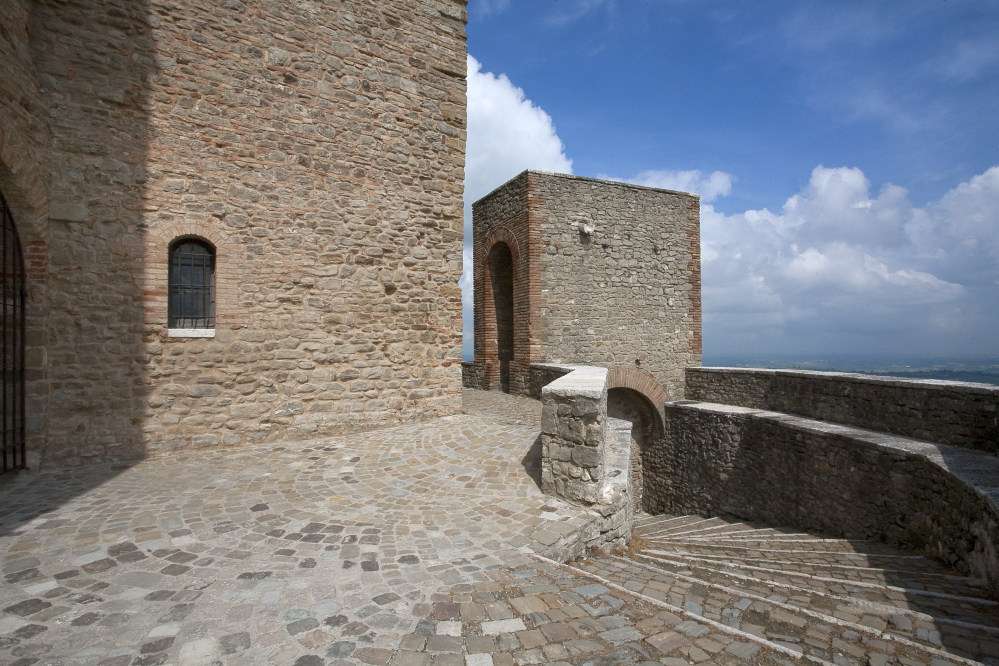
543 374
956 413
586 456
470 375
788 470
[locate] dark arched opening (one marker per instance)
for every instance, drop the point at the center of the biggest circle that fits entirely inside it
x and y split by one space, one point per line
501 279
191 302
646 428
12 326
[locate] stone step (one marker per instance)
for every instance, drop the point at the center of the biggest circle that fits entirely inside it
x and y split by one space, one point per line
911 576
858 576
808 627
790 553
676 523
836 604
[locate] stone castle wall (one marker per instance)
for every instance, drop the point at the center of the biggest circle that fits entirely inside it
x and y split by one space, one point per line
629 293
956 413
318 147
24 135
787 470
626 293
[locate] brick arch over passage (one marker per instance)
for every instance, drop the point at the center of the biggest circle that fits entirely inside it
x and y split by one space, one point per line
511 372
647 397
642 381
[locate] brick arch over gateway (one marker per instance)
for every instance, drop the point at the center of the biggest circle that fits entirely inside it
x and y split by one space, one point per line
512 373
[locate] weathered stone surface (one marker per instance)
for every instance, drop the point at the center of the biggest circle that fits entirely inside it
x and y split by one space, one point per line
789 470
318 147
585 456
602 273
957 413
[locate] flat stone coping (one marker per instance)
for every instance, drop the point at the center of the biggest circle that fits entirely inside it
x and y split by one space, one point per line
980 471
582 380
859 378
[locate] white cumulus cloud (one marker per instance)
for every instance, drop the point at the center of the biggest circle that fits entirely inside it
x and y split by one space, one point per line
709 186
840 270
507 133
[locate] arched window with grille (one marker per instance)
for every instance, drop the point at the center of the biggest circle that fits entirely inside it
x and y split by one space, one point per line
192 286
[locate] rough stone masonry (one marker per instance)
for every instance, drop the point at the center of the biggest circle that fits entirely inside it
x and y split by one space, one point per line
584 271
317 147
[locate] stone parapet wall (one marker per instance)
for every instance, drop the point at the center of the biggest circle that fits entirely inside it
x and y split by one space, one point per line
845 481
471 376
543 374
585 457
956 413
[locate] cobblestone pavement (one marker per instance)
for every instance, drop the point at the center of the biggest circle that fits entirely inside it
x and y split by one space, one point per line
419 546
831 600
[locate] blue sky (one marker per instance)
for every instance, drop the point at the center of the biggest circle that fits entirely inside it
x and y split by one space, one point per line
844 151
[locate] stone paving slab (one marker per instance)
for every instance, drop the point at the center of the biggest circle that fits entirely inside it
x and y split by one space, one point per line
424 545
331 549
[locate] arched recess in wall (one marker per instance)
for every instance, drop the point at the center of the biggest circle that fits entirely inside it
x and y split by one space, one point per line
503 329
501 283
27 201
13 284
636 396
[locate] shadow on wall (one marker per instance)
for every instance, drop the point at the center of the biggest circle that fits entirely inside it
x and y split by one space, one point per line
95 64
86 70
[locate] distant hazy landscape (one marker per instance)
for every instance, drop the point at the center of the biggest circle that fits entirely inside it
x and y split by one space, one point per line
981 370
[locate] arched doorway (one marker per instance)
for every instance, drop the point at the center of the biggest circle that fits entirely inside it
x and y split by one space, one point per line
501 279
646 429
12 330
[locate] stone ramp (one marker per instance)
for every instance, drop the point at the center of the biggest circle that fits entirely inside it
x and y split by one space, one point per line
821 599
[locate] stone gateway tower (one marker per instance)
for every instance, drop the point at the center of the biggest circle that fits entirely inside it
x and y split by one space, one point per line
581 271
238 221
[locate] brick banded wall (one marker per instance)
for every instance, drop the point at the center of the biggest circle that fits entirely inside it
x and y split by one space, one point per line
956 413
318 146
626 294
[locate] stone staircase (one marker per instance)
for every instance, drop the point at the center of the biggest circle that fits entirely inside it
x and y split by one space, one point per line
802 597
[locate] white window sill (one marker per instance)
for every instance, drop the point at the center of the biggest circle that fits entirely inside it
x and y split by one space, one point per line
190 332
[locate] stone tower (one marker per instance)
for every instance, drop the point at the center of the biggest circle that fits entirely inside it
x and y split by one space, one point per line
584 271
307 157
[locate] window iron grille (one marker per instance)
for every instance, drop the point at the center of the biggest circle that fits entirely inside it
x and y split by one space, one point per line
12 330
192 285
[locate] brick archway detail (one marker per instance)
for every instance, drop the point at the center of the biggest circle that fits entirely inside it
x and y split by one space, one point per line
485 325
153 272
642 381
504 235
